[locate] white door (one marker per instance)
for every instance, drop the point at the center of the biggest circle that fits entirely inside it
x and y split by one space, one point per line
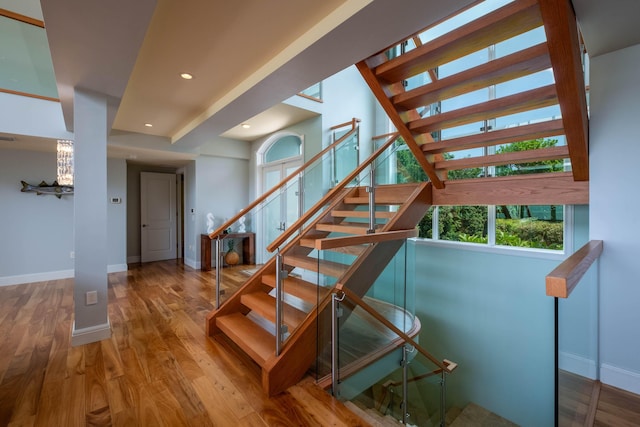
157 216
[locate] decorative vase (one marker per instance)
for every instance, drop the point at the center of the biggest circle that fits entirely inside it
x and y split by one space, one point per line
232 257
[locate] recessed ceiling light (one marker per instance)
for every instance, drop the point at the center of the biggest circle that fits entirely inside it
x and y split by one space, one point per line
245 126
186 76
149 125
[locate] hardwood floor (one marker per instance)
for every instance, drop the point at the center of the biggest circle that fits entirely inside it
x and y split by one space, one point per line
585 402
157 369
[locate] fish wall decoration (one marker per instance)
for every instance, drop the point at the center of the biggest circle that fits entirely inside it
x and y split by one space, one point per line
44 188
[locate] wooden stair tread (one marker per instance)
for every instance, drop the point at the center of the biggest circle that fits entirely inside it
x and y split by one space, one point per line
512 104
360 214
539 155
345 227
265 305
328 268
501 24
302 289
258 343
515 65
497 137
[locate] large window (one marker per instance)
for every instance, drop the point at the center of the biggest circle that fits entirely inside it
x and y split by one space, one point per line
522 226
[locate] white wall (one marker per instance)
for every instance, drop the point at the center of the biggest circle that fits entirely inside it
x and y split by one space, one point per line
214 184
30 116
37 231
614 208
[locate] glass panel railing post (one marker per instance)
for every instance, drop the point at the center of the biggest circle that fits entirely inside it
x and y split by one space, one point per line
280 276
443 398
372 200
300 196
334 167
218 271
336 313
405 384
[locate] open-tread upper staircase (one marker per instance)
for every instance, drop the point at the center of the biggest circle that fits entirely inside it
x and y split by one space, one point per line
249 316
415 108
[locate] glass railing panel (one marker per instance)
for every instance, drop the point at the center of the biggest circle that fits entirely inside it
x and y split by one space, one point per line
380 374
346 158
397 165
314 91
578 349
396 288
244 242
330 266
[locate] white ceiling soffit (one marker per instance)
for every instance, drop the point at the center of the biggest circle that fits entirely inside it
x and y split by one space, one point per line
227 46
608 25
378 25
272 120
96 46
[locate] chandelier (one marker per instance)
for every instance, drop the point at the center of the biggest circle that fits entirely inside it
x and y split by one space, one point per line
65 162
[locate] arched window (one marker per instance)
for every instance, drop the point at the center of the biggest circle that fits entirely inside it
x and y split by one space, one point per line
280 147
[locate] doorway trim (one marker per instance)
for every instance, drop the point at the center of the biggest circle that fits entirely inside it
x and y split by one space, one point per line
262 165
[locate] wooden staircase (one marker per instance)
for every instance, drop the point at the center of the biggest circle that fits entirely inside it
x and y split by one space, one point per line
248 317
416 112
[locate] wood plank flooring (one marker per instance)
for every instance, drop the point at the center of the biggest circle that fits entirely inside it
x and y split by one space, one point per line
157 369
584 402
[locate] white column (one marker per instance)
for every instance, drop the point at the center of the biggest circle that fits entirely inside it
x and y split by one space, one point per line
90 218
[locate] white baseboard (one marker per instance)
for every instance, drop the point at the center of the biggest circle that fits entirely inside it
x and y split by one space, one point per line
117 268
578 365
91 334
192 263
51 275
621 378
133 259
36 277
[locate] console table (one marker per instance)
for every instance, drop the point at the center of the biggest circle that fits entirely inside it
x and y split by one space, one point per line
248 248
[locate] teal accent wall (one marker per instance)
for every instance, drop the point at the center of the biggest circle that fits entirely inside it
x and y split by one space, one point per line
488 312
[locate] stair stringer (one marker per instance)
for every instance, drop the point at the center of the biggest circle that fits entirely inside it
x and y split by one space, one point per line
233 304
366 269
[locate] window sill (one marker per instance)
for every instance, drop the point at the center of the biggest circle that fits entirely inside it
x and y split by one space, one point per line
501 250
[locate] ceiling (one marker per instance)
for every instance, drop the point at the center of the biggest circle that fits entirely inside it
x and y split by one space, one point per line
246 57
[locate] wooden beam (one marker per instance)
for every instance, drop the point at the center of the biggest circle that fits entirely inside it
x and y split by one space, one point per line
506 22
523 101
564 49
564 278
513 158
395 118
497 137
500 70
535 189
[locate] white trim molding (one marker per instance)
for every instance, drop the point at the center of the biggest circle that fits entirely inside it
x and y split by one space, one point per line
52 275
91 334
621 378
36 277
578 365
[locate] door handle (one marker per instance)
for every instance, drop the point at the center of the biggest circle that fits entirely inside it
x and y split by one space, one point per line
144 225
281 226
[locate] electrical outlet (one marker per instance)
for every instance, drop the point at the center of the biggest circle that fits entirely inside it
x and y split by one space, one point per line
72 254
91 297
